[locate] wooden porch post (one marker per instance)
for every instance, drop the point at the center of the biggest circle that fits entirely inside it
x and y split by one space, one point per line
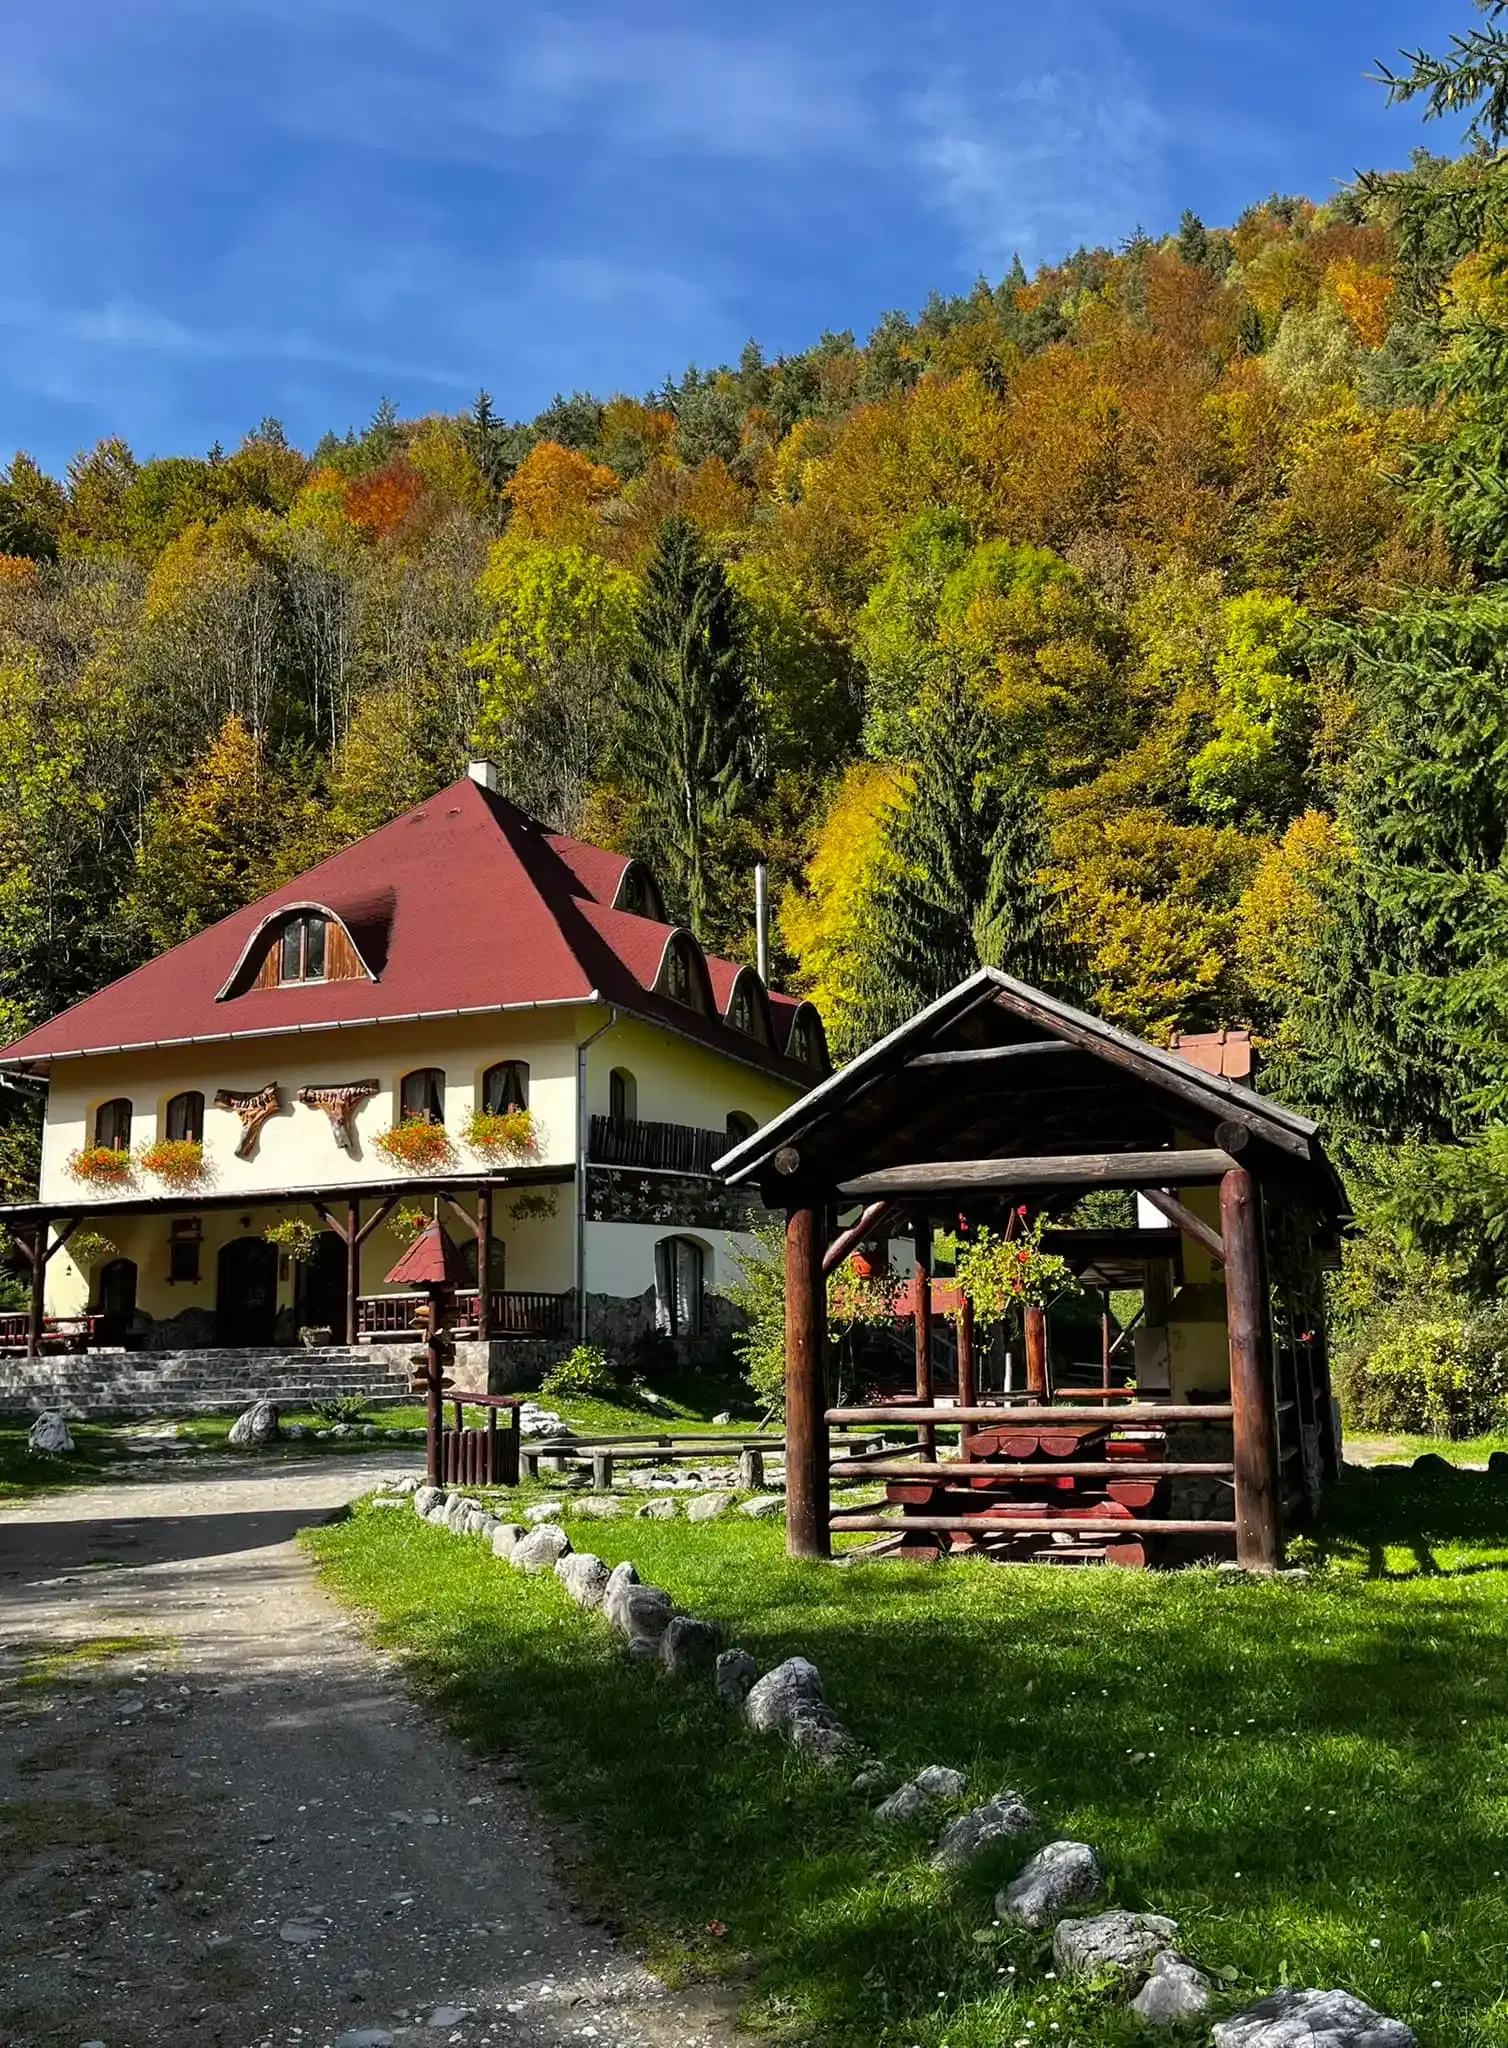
968 1376
38 1286
483 1264
1253 1422
806 1489
1035 1321
353 1270
921 1230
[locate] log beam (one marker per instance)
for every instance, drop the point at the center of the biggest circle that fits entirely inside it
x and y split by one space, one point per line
1066 1170
1253 1411
1191 1225
848 1241
1035 1320
987 1055
36 1299
806 1458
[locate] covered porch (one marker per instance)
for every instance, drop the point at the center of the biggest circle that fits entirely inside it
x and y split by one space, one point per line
201 1260
1000 1105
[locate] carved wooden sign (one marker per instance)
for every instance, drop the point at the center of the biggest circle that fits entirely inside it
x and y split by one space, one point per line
253 1106
340 1105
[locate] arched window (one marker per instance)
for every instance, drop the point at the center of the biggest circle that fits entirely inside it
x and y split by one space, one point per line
301 950
622 1096
185 1117
505 1087
495 1261
746 1012
740 1125
805 1044
637 893
681 977
421 1094
679 1272
112 1124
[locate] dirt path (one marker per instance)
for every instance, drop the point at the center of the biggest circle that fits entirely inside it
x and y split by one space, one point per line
224 1820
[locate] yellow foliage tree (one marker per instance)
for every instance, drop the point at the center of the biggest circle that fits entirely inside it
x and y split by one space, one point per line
824 923
556 493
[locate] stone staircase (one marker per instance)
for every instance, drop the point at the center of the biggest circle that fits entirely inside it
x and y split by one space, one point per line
202 1382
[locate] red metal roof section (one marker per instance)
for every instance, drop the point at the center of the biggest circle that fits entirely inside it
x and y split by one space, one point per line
1216 1052
465 904
430 1261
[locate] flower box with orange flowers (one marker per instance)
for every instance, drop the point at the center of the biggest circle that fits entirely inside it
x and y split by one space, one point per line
178 1162
502 1136
418 1144
102 1166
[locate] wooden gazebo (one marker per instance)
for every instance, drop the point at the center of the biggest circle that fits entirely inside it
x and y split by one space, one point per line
998 1095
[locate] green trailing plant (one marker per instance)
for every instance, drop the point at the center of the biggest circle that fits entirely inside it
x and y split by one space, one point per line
532 1208
501 1135
585 1371
407 1220
87 1247
293 1237
1001 1274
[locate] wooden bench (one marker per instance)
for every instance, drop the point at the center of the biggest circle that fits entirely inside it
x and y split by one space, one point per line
58 1333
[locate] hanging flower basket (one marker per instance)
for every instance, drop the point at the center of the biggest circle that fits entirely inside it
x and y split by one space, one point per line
293 1236
501 1136
418 1144
857 1295
178 1162
101 1166
998 1274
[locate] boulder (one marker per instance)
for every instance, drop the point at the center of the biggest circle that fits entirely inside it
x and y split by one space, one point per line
1174 1991
816 1731
599 1507
642 1613
426 1497
656 1511
50 1436
544 1511
874 1777
937 1781
1111 1944
721 1421
688 1646
733 1676
708 1506
774 1698
1063 1874
999 1818
540 1549
506 1538
1497 1464
620 1575
1312 2019
767 1504
1428 1461
256 1426
583 1576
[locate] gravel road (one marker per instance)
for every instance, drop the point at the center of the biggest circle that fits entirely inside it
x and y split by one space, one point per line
225 1820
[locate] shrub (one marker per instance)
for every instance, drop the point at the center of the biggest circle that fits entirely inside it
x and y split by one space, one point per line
341 1408
102 1166
177 1161
418 1144
1431 1375
586 1370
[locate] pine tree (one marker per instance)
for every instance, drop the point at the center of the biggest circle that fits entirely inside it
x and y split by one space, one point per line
690 737
962 888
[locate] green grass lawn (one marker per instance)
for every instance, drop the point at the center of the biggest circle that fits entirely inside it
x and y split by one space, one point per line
21 1474
1311 1777
1402 1450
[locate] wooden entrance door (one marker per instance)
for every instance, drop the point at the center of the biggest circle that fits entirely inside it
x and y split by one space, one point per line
246 1295
321 1287
117 1300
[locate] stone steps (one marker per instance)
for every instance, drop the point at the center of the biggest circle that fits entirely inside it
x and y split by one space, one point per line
200 1382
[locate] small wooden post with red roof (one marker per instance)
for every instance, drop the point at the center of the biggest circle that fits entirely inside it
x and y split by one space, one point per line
433 1263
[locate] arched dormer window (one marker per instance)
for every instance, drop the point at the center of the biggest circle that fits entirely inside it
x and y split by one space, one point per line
683 973
421 1096
302 948
112 1124
807 1044
747 1011
303 944
638 893
185 1116
505 1087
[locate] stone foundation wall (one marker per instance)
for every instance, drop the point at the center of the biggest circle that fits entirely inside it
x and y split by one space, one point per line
616 1322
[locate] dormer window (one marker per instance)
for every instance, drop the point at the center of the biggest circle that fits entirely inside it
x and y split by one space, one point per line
806 1044
638 893
746 1012
301 951
682 976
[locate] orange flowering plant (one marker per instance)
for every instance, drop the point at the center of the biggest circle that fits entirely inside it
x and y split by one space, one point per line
102 1166
418 1144
177 1161
501 1135
857 1295
998 1274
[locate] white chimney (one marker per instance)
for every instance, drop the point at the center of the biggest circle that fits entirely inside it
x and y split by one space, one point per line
483 772
762 921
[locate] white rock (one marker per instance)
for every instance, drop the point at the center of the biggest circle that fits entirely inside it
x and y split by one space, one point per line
708 1506
656 1511
775 1697
767 1504
688 1646
1312 2019
50 1435
427 1497
539 1550
256 1426
874 1777
815 1730
599 1507
642 1613
365 2037
448 2015
1110 1944
544 1511
734 1673
583 1576
1004 1815
940 1781
936 1782
1063 1874
1174 1991
506 1538
721 1421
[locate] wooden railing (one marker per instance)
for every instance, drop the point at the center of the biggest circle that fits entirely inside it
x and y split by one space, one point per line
512 1313
58 1333
669 1148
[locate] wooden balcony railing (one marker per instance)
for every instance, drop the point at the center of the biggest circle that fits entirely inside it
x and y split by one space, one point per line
513 1314
671 1148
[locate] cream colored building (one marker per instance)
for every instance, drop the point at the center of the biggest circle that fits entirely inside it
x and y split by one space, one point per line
510 1001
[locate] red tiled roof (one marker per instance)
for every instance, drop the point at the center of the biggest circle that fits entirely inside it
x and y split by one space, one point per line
465 904
430 1261
1216 1052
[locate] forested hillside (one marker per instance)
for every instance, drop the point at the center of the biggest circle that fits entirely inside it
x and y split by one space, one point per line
1139 626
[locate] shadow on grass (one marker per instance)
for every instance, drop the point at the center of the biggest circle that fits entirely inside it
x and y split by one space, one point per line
1294 1770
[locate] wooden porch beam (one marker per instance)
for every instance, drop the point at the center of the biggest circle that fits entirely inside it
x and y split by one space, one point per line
1191 1225
849 1240
1254 1429
378 1217
985 1055
806 1455
1070 1170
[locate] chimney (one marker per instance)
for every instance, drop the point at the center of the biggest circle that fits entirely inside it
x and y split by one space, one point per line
483 772
762 921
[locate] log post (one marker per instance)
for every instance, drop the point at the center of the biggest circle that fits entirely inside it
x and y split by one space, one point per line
484 1265
36 1300
1106 1340
1035 1320
806 1532
921 1231
353 1271
968 1374
1253 1420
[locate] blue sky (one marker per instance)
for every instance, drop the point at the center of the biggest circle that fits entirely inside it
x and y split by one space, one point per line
218 209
